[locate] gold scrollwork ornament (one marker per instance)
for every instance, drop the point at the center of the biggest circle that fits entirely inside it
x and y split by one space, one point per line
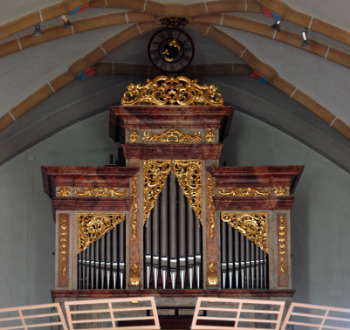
189 176
134 135
210 135
172 136
212 274
155 174
135 205
92 226
211 207
134 274
63 192
164 90
254 226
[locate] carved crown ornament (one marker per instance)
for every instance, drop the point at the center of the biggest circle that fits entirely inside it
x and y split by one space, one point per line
164 90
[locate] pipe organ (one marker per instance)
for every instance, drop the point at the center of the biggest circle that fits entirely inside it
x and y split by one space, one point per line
172 222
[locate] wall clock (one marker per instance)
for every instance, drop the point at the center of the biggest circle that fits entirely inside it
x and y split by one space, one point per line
171 50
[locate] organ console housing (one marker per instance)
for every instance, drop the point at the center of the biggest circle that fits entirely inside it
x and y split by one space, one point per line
172 223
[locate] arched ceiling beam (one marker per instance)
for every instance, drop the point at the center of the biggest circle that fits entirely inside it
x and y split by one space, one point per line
208 30
171 9
78 66
272 76
249 96
226 20
292 39
302 19
56 32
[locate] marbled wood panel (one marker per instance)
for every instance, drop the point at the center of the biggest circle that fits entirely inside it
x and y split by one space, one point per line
63 250
282 250
232 293
148 117
253 203
92 204
212 257
172 151
256 176
86 176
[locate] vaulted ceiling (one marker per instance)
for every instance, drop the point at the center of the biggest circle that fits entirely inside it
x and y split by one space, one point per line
301 90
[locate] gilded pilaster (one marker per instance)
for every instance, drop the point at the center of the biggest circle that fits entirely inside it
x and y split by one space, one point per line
135 236
63 250
211 236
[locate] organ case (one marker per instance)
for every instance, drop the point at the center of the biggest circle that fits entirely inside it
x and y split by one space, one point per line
172 222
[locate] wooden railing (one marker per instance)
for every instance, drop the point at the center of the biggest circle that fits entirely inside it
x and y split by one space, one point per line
225 313
141 313
32 317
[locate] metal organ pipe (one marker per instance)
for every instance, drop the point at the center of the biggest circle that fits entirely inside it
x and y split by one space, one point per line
103 262
244 265
174 234
182 238
155 240
190 245
173 230
164 234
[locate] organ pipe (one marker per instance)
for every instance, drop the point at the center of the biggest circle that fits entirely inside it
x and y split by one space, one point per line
244 265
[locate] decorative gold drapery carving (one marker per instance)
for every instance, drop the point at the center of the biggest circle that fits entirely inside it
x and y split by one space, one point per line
90 192
164 90
189 176
92 226
172 136
211 207
254 192
252 225
155 173
187 172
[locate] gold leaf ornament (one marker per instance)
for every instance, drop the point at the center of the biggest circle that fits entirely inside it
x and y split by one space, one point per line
254 226
164 90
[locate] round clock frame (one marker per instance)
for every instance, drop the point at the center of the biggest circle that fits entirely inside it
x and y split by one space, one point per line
171 50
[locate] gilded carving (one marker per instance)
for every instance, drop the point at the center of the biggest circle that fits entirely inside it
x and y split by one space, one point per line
63 247
134 274
281 191
252 225
135 204
172 136
164 90
155 174
99 192
92 226
210 135
282 244
245 192
134 135
254 192
212 274
90 192
187 172
189 176
211 207
63 192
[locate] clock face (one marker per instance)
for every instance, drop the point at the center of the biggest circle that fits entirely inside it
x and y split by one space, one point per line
171 50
